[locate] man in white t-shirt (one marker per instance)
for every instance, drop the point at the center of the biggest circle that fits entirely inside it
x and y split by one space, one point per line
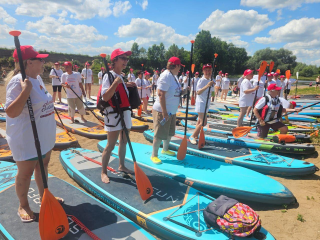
217 86
131 77
181 78
72 82
276 79
88 78
100 74
288 84
154 81
55 74
270 79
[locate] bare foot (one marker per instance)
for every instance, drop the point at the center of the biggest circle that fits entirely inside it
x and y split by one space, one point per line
105 178
126 170
26 213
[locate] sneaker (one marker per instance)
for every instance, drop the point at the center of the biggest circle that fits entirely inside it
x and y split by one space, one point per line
169 153
155 160
193 140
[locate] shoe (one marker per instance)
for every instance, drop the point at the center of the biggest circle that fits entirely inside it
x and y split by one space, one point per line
155 160
22 216
193 140
169 153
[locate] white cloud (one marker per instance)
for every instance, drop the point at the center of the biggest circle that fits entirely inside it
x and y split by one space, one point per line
4 31
28 35
121 8
279 14
316 62
235 22
6 17
73 33
125 46
276 4
148 32
303 45
236 40
143 4
265 40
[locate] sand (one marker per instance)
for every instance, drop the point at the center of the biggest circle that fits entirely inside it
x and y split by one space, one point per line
283 224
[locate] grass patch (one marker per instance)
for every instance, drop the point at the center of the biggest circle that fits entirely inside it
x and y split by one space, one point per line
305 91
300 218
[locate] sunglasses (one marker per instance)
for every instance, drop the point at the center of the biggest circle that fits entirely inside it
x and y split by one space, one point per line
124 58
39 59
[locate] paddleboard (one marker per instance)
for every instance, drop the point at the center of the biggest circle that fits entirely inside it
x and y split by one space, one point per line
5 152
192 109
137 125
87 129
91 104
2 117
64 140
258 143
62 107
225 106
2 107
147 117
172 212
212 177
99 218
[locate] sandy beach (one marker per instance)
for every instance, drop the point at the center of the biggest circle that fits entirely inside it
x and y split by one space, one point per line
280 222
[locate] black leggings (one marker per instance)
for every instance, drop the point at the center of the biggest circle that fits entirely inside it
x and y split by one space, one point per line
57 87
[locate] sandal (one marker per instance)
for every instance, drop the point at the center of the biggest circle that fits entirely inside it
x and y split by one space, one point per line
22 216
60 200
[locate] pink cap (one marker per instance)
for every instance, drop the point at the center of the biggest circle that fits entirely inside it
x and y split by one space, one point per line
75 66
270 75
28 52
247 72
227 74
175 61
294 104
56 63
117 52
208 65
197 73
282 76
131 69
187 72
102 68
273 87
87 64
67 63
276 74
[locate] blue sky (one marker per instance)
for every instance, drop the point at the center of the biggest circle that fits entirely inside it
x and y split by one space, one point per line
95 26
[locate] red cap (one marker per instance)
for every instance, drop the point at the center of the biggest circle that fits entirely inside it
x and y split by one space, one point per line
57 63
247 72
270 75
117 52
227 74
131 69
75 66
222 75
220 72
147 73
276 74
27 53
197 73
293 104
258 70
273 87
102 68
207 66
67 64
282 76
175 61
187 72
87 64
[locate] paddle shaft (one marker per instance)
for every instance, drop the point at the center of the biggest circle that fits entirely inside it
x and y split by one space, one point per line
31 114
212 77
188 91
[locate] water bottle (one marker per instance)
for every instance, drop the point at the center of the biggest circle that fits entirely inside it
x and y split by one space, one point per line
163 121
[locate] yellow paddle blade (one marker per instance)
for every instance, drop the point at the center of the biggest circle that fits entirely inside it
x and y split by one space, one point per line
143 183
202 140
241 131
271 66
262 68
182 151
288 74
192 67
53 221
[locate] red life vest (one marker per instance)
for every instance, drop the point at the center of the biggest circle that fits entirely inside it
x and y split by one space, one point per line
265 112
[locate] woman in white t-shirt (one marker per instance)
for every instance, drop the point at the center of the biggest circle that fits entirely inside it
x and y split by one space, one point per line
143 89
165 108
112 120
72 80
194 83
55 74
88 78
225 84
283 85
19 131
131 77
202 98
218 85
247 92
148 84
100 74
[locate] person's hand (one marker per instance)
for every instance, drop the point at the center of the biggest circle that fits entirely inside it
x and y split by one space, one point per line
117 81
66 85
210 84
130 84
256 88
262 123
165 115
298 109
26 85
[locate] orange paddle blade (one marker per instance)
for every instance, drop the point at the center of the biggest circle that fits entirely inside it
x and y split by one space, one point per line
262 69
241 131
278 71
315 134
140 111
103 55
202 140
192 67
53 221
143 183
271 66
288 74
182 151
193 101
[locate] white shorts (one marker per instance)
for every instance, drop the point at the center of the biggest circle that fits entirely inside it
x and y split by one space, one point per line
114 122
87 81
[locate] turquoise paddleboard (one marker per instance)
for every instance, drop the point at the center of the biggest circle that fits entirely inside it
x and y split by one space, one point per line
99 218
213 177
174 211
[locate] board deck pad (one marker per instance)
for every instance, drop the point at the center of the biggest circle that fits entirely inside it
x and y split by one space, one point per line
100 219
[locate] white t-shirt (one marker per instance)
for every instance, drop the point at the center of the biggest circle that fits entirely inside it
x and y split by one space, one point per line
278 82
185 82
19 131
56 81
201 99
131 77
195 82
262 102
246 100
100 77
144 85
218 80
272 82
73 81
240 81
283 86
87 75
261 85
180 78
225 82
155 79
113 119
170 84
285 103
289 83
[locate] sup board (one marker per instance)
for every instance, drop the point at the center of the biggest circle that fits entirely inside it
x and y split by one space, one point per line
192 109
172 212
87 129
91 104
99 218
212 177
147 117
137 125
258 143
2 117
5 152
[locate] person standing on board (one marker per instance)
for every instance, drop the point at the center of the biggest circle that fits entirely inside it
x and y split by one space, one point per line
217 86
288 84
194 83
131 77
88 78
317 82
225 84
142 90
154 80
56 83
72 80
100 74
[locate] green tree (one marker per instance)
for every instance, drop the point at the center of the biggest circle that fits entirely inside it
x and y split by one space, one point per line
203 48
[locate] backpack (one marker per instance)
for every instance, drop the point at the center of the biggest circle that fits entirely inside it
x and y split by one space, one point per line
263 111
232 217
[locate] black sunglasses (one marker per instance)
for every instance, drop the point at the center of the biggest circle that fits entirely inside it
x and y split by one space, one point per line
39 59
124 58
